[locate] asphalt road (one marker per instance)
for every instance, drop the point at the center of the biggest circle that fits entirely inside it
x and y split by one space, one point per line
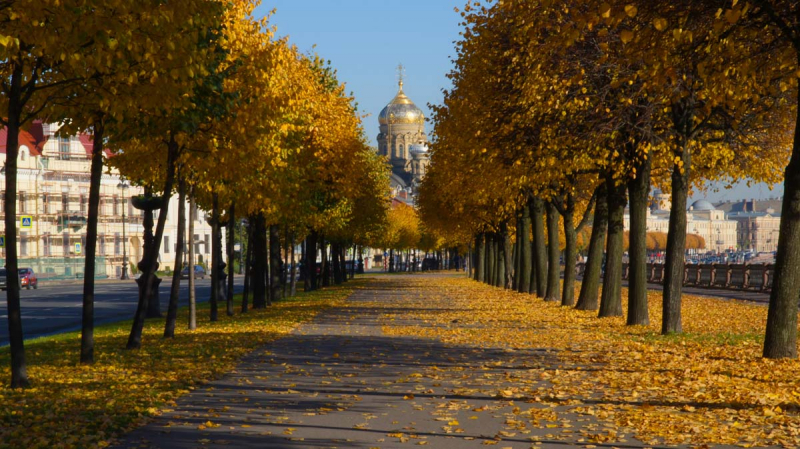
56 307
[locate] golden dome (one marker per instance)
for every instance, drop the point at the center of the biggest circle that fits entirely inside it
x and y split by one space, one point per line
401 110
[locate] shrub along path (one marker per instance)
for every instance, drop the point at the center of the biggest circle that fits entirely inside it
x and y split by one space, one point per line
443 361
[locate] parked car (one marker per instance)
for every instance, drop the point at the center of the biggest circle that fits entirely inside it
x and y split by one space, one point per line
3 278
199 272
27 278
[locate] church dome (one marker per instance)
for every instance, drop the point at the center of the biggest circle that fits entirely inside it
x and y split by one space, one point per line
702 205
401 110
418 149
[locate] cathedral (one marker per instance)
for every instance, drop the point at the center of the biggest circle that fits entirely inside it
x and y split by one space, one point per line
403 141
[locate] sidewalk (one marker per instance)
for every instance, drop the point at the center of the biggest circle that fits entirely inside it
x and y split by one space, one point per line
341 382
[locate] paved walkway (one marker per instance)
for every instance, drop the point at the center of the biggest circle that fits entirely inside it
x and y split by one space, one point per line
339 382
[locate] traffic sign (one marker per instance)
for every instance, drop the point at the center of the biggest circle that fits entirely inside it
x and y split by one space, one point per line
26 222
2 241
77 248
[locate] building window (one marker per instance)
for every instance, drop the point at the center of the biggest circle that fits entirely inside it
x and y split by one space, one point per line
46 245
207 244
196 241
45 204
115 207
65 203
83 204
102 242
65 244
23 244
22 202
63 148
117 244
166 244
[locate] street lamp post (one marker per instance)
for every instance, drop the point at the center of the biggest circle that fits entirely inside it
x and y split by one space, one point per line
122 186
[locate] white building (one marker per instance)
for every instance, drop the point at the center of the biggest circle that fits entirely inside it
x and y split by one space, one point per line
702 219
53 197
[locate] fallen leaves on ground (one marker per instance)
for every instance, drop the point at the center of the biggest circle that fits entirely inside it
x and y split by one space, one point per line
707 386
74 406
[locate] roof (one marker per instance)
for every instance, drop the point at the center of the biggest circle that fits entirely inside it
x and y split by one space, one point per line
702 205
33 137
401 110
749 205
740 214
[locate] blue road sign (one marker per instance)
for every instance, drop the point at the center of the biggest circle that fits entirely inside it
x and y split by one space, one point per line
26 221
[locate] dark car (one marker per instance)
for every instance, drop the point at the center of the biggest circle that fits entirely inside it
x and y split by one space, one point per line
199 272
3 278
27 278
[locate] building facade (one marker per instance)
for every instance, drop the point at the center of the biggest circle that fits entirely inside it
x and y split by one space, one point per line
759 224
702 219
52 210
403 141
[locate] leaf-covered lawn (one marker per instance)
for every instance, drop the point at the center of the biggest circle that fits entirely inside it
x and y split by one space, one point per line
73 406
709 385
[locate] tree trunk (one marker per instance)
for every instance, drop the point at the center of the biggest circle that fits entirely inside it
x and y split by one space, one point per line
590 284
676 247
638 191
293 274
192 292
135 337
780 340
311 259
509 258
491 246
524 250
480 249
391 261
570 252
326 281
304 269
19 372
248 265
259 262
343 262
231 257
215 262
337 268
538 282
553 253
274 263
174 292
87 319
611 298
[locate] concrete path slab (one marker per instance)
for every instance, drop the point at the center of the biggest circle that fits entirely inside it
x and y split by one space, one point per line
339 382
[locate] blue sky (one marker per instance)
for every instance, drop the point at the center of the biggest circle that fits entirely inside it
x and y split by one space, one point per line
365 40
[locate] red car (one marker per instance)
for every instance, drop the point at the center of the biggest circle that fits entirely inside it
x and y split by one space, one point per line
27 278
